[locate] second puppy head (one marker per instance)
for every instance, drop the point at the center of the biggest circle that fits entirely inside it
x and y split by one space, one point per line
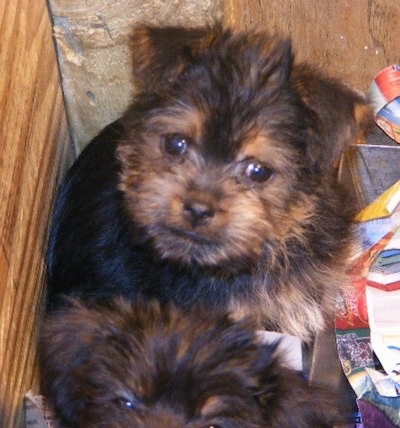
150 366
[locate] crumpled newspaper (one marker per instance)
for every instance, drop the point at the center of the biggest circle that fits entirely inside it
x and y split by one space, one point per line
368 318
384 96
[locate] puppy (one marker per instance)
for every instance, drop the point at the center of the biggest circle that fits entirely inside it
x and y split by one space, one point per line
151 366
217 186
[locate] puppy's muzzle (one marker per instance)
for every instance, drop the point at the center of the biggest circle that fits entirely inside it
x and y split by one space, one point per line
198 212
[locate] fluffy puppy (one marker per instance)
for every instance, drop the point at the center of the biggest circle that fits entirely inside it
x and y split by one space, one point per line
151 366
218 185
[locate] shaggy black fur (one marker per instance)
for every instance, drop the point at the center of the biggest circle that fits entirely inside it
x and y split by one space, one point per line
146 366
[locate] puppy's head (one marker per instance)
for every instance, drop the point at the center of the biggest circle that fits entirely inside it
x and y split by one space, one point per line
230 147
144 366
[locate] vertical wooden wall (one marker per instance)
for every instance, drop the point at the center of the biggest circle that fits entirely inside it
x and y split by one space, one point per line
350 39
33 143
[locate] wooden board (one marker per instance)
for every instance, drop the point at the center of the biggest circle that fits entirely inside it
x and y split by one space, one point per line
349 39
33 145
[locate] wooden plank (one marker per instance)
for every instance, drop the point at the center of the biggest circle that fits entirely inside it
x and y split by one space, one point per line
33 146
92 38
349 39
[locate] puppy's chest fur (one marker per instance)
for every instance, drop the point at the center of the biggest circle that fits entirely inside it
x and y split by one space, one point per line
216 187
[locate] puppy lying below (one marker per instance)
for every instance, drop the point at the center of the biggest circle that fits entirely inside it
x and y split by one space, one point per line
146 366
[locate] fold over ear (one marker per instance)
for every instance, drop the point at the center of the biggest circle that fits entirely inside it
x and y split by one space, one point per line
160 54
342 113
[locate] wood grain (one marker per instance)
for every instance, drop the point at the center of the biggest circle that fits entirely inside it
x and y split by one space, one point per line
33 146
352 40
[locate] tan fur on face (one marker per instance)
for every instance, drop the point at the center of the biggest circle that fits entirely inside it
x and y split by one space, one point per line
248 216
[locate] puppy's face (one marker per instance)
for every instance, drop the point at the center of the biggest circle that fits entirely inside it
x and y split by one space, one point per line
143 366
219 165
148 368
206 207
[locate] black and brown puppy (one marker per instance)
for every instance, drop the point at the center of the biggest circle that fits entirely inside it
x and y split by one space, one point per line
217 186
151 366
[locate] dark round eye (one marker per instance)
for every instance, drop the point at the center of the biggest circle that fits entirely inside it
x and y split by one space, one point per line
258 172
176 144
126 403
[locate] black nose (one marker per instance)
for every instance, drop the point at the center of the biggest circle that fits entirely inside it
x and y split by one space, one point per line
197 212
